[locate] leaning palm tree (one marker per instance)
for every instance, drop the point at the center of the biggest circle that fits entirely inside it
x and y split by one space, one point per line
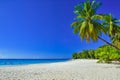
88 24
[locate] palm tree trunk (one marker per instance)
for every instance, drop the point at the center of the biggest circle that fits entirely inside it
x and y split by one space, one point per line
109 43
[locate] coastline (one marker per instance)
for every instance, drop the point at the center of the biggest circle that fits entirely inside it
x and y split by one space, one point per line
20 62
80 69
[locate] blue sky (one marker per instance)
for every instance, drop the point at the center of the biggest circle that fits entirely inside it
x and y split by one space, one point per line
41 28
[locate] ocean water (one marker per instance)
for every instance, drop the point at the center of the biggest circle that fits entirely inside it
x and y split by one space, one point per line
12 62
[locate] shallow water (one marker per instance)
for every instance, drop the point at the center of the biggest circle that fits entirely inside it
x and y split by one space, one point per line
6 62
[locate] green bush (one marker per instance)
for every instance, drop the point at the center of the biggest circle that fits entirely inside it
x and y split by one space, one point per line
91 54
75 56
85 54
104 54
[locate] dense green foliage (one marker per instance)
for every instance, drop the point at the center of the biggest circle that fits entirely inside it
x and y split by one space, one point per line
104 54
107 54
85 54
90 25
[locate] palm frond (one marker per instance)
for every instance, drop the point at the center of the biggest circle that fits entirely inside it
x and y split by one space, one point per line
97 17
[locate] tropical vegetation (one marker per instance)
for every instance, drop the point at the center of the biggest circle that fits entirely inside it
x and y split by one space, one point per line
104 53
90 25
85 54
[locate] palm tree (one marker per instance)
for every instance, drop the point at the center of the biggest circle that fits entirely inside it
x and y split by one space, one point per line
111 24
116 39
113 29
88 24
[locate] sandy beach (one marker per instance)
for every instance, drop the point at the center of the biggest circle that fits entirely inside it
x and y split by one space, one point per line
70 70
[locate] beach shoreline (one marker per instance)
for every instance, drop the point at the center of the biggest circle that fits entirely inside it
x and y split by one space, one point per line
80 69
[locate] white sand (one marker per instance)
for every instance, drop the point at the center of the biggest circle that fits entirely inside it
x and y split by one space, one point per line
70 70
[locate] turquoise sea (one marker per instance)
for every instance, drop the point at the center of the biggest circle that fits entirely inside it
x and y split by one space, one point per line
12 62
